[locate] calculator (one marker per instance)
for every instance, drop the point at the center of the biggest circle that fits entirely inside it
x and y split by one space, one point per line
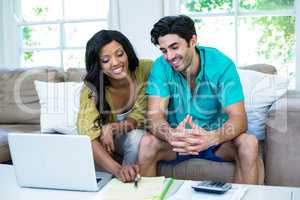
218 187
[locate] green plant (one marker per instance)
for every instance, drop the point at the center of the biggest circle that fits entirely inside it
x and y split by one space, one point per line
278 37
27 32
39 11
28 56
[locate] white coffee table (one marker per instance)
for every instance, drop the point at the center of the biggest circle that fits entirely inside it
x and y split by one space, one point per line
9 190
272 192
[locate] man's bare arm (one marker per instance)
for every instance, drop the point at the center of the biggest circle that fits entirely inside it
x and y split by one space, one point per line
158 125
235 125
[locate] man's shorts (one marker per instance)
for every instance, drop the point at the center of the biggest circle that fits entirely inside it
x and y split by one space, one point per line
208 154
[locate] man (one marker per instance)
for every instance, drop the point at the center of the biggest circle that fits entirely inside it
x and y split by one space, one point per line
195 105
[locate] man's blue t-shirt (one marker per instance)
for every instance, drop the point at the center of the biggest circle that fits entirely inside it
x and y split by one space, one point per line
217 86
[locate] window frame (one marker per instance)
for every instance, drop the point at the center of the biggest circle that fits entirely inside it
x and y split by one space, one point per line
172 7
62 40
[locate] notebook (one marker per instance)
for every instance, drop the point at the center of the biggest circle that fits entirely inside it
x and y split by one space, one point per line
148 188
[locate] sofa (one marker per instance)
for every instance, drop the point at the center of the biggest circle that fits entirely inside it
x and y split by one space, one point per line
279 152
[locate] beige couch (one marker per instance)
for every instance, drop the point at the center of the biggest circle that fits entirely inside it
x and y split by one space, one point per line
281 147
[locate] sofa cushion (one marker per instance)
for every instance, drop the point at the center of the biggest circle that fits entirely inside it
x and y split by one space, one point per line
22 128
287 103
9 128
75 74
4 152
200 169
283 141
19 102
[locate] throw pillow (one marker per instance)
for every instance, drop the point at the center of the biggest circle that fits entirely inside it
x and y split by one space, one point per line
59 106
261 91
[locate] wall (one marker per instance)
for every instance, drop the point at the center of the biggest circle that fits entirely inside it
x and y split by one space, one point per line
1 34
9 46
136 20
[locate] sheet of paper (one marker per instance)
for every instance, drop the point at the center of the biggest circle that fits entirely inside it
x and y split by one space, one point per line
149 188
187 192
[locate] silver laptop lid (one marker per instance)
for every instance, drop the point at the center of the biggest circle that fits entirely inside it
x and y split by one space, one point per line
53 161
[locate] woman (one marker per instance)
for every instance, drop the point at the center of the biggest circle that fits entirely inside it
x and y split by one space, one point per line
113 102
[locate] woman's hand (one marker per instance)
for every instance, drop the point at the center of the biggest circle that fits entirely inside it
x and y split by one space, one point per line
107 138
128 173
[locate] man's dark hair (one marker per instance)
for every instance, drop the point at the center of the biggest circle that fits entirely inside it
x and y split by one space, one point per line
181 25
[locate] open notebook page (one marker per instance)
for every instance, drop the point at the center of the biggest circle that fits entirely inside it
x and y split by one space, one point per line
149 188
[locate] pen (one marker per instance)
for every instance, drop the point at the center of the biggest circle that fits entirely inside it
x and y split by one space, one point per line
136 180
166 188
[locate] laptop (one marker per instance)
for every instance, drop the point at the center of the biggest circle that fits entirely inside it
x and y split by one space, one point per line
55 161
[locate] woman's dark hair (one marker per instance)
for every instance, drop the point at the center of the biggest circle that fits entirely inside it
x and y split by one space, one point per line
181 25
95 79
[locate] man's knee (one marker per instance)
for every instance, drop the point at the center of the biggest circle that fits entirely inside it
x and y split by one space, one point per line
149 147
150 142
247 146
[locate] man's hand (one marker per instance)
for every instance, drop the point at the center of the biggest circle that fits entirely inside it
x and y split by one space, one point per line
192 141
107 139
179 132
128 173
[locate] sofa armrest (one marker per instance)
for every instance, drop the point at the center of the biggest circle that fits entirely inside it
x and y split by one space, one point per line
282 145
264 68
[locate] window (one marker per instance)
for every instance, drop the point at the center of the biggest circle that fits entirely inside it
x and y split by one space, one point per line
55 32
248 31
